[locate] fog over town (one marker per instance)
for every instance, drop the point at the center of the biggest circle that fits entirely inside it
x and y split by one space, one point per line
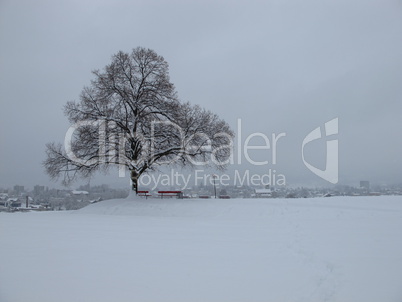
274 70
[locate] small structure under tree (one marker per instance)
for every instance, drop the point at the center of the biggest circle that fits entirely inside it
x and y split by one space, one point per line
130 117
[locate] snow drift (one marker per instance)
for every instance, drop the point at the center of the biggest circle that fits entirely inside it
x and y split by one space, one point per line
324 249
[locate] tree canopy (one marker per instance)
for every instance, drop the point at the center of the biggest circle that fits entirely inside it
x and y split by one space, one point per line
130 116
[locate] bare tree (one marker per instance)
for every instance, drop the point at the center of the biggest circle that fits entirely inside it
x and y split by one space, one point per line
130 116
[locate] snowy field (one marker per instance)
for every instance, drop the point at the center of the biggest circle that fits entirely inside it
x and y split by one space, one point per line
346 249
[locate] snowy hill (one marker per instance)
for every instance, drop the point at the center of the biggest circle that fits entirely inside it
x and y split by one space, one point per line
324 249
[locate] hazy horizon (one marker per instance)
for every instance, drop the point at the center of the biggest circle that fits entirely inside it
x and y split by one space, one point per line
278 66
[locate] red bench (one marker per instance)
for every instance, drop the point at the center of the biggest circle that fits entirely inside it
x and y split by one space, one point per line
178 194
144 194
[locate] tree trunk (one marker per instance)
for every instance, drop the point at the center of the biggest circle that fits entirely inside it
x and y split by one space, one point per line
134 181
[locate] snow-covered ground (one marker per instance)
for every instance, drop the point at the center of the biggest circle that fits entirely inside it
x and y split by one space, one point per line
324 249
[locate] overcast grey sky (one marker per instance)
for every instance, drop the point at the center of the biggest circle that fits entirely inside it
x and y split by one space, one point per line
279 66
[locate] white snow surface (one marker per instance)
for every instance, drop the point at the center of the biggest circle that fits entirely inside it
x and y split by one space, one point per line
346 249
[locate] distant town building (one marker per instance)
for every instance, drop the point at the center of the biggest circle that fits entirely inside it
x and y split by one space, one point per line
13 202
263 193
18 189
80 193
4 196
39 190
364 184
